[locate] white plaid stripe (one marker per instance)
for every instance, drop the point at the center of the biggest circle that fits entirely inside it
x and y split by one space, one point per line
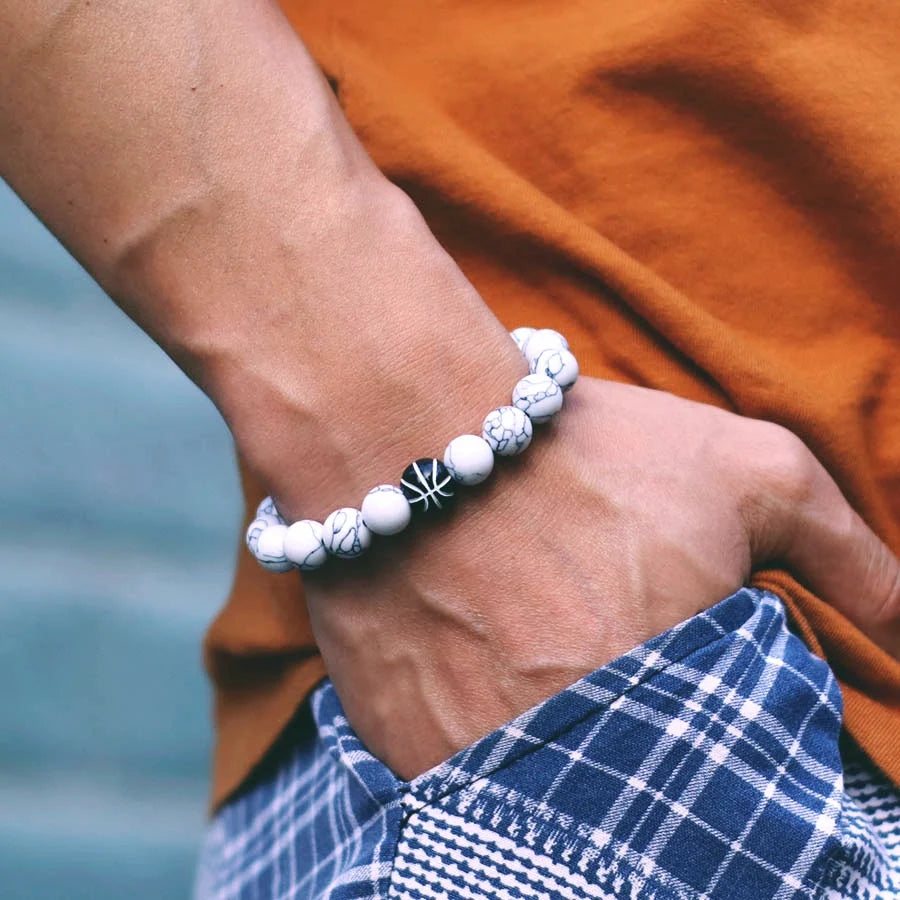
703 764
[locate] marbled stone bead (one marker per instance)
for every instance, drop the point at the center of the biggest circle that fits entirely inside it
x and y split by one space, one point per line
560 365
385 509
507 430
539 397
344 533
254 530
428 486
270 549
521 335
303 545
469 459
543 339
268 510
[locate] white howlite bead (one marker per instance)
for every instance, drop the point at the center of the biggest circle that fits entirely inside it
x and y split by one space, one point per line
267 510
508 430
521 335
469 459
543 339
270 549
385 509
303 545
560 365
344 533
254 530
539 397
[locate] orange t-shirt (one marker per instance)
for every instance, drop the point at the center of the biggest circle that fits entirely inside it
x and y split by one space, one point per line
703 196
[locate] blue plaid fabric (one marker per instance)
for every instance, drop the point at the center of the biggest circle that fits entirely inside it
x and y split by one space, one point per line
705 763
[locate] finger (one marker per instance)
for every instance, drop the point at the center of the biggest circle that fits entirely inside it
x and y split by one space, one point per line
815 533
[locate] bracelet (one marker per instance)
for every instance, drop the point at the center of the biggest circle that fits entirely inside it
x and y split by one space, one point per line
426 486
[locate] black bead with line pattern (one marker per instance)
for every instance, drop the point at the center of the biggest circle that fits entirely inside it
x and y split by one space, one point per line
428 486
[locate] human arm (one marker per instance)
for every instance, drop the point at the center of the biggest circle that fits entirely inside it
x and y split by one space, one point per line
259 245
195 161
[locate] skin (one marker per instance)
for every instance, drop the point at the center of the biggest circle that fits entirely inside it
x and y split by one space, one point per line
192 157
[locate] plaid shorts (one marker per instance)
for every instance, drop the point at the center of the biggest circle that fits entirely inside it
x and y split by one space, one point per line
706 763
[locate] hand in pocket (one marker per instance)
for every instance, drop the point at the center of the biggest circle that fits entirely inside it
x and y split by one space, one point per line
631 513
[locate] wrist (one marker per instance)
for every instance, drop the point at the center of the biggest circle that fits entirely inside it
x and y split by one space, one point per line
378 352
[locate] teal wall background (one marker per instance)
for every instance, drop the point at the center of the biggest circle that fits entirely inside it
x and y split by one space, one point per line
120 513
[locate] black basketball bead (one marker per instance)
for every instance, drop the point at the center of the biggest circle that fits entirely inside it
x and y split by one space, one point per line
428 486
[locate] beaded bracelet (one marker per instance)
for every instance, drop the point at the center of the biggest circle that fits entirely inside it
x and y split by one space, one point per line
426 485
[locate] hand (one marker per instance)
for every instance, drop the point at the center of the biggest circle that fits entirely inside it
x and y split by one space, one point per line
631 513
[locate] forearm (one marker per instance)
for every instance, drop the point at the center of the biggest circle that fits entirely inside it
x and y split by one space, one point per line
194 159
132 128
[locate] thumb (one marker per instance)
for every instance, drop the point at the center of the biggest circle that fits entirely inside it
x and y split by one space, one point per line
811 530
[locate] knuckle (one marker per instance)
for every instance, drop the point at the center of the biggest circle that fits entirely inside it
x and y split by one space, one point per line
787 467
778 478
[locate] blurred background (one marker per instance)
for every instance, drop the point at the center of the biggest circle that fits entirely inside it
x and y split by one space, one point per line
120 507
